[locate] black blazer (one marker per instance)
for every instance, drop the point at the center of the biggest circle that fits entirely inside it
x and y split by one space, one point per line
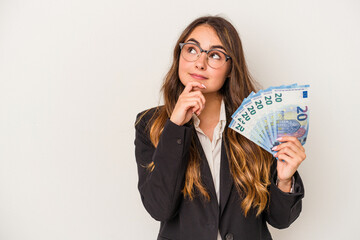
183 219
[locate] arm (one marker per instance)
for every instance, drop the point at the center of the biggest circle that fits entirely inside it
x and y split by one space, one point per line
284 208
160 189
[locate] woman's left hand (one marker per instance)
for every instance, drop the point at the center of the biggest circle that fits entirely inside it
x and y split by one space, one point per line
290 154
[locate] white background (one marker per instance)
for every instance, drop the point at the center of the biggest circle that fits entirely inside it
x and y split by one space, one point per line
74 74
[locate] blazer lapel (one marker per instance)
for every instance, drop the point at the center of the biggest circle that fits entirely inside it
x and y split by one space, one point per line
205 171
226 180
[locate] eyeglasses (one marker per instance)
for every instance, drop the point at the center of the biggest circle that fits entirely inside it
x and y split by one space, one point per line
192 51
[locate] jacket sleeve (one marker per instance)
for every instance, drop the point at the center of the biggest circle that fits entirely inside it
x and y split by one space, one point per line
284 208
160 189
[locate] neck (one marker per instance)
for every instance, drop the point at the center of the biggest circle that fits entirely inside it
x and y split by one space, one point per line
211 112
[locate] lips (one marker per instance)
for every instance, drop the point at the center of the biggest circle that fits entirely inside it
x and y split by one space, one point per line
198 76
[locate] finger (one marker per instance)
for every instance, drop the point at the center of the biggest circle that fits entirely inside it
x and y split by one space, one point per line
197 99
194 103
200 109
287 151
196 109
294 158
283 157
191 85
197 94
291 139
290 145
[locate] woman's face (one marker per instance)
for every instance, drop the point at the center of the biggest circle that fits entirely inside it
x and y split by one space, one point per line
199 71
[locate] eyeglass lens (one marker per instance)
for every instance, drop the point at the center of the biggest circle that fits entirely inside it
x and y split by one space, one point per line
191 53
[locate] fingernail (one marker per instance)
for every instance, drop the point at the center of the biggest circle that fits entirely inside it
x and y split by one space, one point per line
279 139
274 148
203 85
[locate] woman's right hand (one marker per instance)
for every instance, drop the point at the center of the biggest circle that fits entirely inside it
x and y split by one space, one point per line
189 102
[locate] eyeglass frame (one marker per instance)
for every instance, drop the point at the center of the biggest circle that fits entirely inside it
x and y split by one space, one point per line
227 57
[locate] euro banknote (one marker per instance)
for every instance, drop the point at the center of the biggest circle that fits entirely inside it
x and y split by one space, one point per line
275 112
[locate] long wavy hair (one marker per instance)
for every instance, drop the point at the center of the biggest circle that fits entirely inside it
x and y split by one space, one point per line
249 164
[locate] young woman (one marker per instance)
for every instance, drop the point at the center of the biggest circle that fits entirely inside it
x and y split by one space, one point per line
201 179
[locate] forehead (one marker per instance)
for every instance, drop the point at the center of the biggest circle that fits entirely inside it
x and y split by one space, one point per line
205 35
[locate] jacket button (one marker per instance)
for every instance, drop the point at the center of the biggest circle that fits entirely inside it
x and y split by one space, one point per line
178 141
229 236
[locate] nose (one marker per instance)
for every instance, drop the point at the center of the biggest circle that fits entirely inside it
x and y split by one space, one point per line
201 62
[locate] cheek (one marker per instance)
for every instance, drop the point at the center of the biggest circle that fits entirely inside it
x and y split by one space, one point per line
182 70
221 78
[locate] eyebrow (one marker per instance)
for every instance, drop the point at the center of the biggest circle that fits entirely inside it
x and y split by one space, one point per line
212 47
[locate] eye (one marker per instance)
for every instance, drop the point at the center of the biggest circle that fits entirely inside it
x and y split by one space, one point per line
192 50
215 55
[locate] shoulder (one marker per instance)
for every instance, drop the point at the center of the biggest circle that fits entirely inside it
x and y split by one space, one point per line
147 116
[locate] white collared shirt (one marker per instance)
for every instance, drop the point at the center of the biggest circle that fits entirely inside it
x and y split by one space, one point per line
212 148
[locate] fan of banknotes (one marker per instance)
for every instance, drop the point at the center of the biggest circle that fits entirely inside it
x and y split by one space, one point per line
272 113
